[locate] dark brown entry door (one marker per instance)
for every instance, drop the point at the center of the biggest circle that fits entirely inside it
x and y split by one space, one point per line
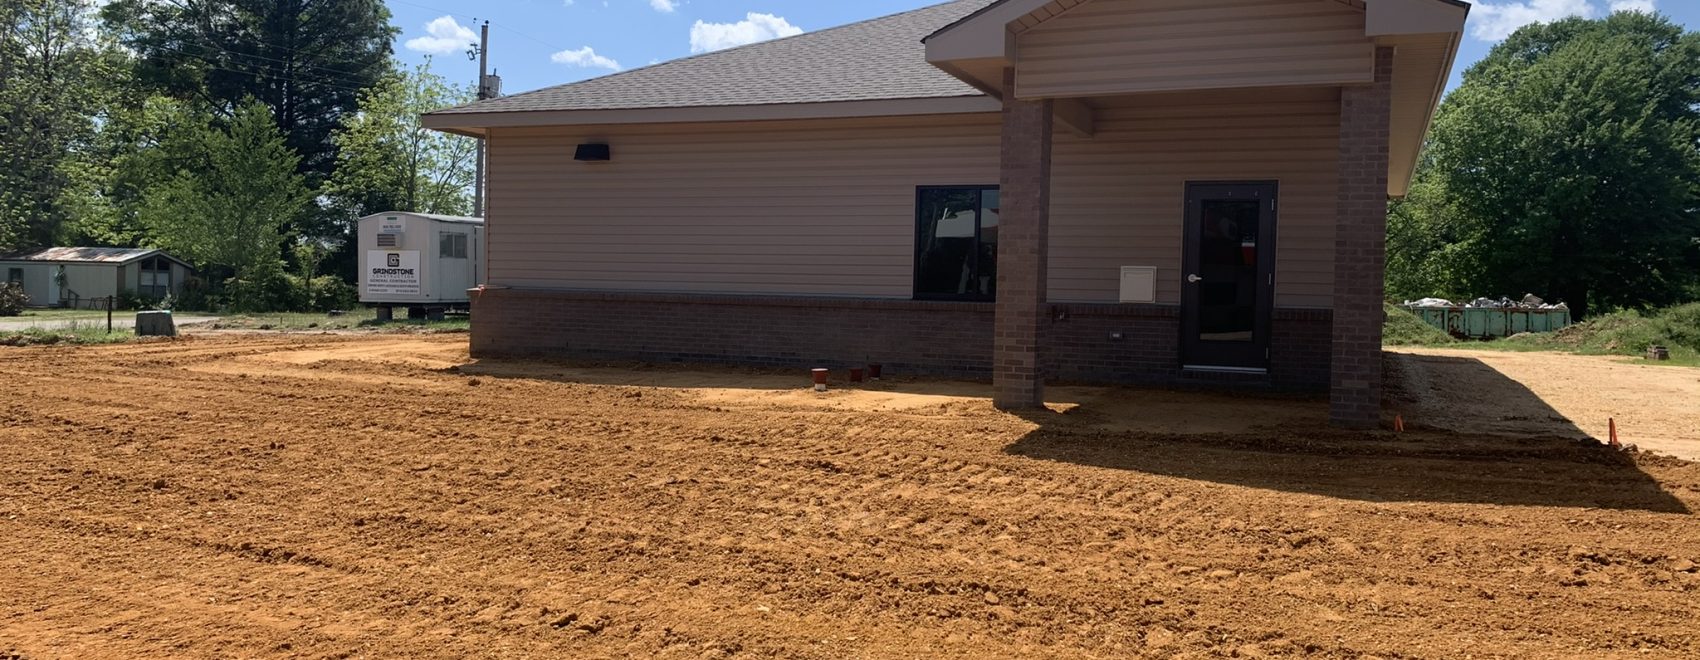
1228 275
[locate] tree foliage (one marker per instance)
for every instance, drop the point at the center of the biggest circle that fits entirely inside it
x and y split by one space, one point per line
389 162
305 60
52 73
1566 165
231 207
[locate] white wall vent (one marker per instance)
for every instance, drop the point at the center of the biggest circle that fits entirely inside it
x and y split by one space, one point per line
1139 284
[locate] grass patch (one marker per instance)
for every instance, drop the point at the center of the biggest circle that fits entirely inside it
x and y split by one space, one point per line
1406 329
1624 333
358 319
76 334
44 314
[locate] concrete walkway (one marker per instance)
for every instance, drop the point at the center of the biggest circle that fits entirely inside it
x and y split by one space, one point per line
120 320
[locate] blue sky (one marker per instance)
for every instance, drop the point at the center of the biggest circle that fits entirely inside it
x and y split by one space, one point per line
539 43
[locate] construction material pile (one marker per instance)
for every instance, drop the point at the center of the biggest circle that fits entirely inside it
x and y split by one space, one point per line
1528 301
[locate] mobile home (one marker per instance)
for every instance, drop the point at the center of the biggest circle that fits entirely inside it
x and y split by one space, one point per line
87 276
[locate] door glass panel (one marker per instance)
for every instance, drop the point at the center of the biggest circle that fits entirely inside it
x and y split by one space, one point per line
1227 264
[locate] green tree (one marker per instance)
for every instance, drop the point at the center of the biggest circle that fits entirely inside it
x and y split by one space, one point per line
230 210
1565 165
389 162
51 84
306 60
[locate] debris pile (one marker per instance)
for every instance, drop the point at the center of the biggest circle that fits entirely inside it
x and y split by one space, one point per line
1528 301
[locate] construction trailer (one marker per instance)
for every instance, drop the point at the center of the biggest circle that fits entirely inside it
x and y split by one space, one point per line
422 262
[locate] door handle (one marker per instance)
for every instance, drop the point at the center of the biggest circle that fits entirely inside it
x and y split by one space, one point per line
1194 279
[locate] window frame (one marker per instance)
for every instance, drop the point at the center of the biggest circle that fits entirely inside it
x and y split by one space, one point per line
454 239
979 226
152 268
14 274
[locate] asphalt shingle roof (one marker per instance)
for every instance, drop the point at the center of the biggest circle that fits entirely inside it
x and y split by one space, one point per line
879 59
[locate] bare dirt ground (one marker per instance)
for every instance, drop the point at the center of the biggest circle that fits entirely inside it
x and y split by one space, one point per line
379 496
1657 408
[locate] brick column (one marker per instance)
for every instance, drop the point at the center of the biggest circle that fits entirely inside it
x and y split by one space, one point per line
1017 379
1360 249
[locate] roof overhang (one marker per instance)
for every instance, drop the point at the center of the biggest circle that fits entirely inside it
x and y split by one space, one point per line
977 48
478 124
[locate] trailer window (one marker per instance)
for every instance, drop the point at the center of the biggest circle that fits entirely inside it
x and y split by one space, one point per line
14 275
451 245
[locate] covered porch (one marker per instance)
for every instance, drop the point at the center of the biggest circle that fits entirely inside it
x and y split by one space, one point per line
1252 148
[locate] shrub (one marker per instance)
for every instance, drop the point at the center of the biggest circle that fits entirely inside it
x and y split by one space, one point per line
12 299
262 291
193 296
324 293
128 299
1682 325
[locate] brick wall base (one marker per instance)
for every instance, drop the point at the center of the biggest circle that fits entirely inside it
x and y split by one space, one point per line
1104 344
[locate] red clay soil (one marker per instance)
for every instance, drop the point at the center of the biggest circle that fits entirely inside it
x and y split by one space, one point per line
370 496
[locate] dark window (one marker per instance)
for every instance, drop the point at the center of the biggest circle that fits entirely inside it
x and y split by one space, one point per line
14 275
956 243
451 246
155 278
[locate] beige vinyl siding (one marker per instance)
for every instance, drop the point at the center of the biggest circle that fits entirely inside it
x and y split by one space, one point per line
805 207
1108 47
1117 198
828 207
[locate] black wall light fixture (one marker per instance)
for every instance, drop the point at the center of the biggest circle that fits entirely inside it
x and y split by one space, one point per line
593 153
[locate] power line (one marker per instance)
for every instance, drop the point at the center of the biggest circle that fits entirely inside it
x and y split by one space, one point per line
349 79
326 69
216 65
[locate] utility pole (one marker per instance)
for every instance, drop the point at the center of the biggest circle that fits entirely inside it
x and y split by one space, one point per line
483 93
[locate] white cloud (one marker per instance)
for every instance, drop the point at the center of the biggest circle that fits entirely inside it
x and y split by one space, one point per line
1490 21
447 36
1645 6
585 57
664 6
755 27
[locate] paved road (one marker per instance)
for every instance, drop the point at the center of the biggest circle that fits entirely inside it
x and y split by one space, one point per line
119 320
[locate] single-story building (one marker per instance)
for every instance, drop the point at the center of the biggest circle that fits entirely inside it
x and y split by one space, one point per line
78 276
1121 191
